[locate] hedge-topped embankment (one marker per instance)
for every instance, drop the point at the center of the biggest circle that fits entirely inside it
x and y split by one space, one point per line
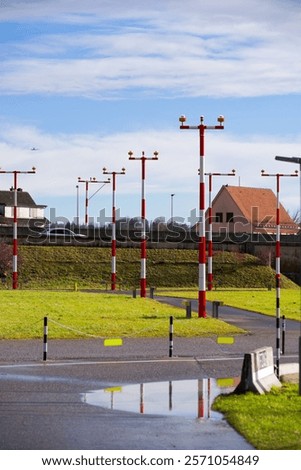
62 267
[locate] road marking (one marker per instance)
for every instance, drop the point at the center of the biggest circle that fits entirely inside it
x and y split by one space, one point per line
113 342
225 340
112 389
227 382
137 361
117 362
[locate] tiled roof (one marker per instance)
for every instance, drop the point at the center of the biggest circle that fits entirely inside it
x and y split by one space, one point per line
264 199
23 199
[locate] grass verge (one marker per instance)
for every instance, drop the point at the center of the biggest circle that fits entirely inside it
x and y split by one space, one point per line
261 301
268 422
83 315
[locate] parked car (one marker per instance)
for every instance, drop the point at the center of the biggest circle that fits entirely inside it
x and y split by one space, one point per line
61 232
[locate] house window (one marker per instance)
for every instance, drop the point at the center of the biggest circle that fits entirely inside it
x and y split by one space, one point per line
218 217
229 217
32 212
2 209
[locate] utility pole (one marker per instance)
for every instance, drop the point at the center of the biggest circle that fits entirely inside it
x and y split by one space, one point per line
278 270
87 182
113 249
143 159
201 224
296 160
15 223
210 220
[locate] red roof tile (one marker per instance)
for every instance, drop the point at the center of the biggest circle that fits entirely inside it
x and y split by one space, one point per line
258 206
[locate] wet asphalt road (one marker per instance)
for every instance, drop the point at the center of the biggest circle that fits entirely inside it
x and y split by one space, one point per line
42 403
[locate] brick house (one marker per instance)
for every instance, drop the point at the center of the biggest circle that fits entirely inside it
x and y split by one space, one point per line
238 209
27 209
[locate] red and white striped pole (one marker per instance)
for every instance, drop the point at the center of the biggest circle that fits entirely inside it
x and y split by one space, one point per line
113 249
15 234
87 182
143 159
86 203
15 224
201 225
210 220
277 262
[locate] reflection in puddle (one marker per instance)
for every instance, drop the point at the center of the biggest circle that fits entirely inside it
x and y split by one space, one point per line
189 398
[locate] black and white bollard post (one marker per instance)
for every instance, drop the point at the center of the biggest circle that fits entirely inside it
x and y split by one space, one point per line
45 339
283 334
170 336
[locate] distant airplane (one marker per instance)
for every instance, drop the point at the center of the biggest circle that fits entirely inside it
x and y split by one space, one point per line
34 148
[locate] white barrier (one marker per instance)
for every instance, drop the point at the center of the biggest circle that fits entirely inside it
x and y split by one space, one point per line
258 372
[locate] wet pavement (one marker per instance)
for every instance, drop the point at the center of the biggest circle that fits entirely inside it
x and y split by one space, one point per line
50 406
86 396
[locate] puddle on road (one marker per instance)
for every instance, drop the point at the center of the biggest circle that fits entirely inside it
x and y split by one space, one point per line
187 398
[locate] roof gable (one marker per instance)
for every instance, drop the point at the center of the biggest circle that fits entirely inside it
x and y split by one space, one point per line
24 199
256 204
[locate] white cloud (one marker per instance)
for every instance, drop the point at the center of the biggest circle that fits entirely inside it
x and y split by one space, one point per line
62 158
102 50
215 49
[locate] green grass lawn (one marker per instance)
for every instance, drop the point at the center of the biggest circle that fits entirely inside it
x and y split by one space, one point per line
260 300
74 314
84 315
269 422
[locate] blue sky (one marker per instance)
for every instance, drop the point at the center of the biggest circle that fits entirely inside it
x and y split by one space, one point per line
85 82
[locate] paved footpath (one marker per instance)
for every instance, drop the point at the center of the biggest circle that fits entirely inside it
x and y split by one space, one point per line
43 404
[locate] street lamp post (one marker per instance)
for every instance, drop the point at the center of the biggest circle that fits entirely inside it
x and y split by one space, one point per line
15 223
113 249
143 159
210 243
77 205
87 182
296 160
171 207
278 270
201 225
